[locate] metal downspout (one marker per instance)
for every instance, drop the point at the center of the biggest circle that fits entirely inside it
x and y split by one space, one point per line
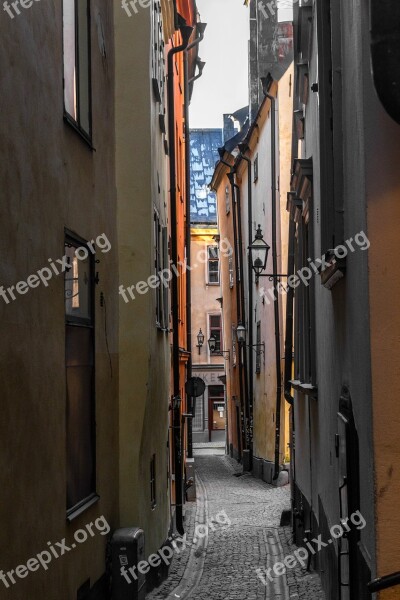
186 32
276 294
188 236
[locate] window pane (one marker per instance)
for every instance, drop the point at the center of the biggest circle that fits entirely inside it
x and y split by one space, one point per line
77 285
215 321
69 58
213 252
84 64
80 418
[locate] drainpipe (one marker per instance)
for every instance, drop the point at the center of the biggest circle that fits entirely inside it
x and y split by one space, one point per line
201 28
243 148
385 53
244 366
186 32
239 317
289 361
276 294
289 318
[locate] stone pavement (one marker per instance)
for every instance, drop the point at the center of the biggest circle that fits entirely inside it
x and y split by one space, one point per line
222 565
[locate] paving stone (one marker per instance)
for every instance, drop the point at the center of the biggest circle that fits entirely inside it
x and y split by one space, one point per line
233 553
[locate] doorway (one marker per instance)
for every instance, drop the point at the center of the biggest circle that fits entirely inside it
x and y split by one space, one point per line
216 413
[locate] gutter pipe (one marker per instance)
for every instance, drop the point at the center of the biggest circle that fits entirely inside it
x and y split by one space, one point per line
243 148
243 318
276 295
188 235
186 32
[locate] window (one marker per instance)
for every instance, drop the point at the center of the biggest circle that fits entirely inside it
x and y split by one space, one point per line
213 265
198 420
79 362
227 200
234 345
231 279
153 489
157 269
165 256
157 55
76 42
258 349
305 362
216 331
256 168
161 263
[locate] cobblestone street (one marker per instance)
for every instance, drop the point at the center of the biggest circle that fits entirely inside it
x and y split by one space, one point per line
223 566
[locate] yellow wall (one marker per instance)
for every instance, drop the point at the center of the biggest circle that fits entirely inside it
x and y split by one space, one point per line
204 296
144 350
50 179
384 289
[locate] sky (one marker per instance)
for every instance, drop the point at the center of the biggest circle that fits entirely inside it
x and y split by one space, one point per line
223 87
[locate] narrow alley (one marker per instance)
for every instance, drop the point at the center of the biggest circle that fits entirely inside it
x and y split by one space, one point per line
200 342
224 564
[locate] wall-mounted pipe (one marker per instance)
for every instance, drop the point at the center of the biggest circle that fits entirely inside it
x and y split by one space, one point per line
231 177
385 53
275 285
244 148
201 29
289 318
186 32
243 319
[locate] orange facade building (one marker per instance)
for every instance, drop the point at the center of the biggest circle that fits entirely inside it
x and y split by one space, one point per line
181 65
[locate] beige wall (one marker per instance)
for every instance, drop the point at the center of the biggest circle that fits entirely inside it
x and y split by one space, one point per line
204 295
50 179
263 309
144 350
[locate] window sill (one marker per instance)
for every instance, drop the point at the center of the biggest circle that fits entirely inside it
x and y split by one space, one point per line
77 510
334 272
308 389
74 125
213 284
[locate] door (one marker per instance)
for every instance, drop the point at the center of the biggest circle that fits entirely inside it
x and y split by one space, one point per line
347 450
216 413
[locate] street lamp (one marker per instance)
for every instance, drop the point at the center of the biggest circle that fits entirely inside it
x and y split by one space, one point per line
241 338
212 344
200 340
259 253
241 334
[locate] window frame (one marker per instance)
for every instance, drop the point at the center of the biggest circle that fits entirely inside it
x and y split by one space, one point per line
161 262
212 329
213 260
153 482
227 200
83 504
255 169
76 124
258 348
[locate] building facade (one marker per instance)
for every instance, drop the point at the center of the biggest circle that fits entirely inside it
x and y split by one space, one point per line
59 343
343 209
86 282
208 424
